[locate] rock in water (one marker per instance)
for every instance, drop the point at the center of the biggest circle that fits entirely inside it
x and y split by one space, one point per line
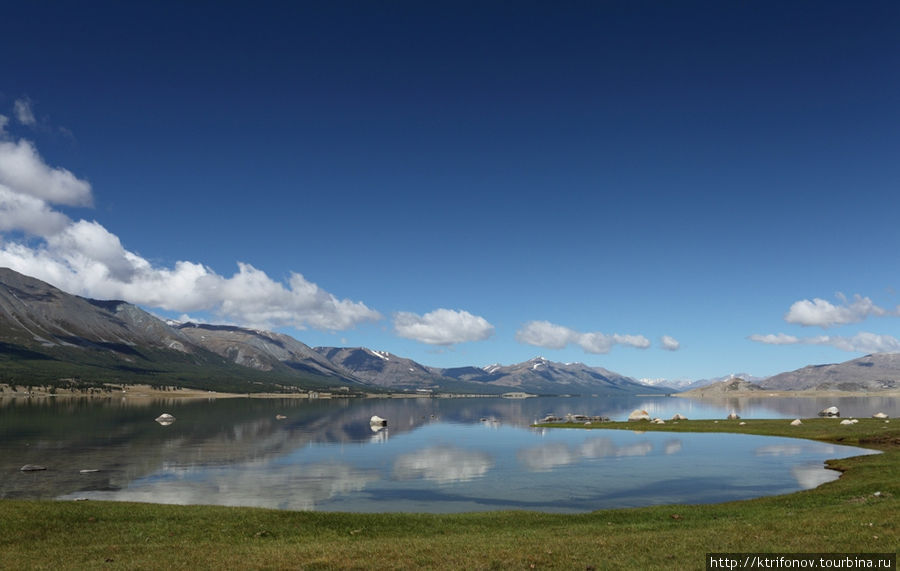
165 419
830 411
32 468
879 415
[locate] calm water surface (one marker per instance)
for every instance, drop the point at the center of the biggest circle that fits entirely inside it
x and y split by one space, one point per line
437 455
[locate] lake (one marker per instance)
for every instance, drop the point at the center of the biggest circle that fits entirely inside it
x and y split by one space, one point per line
436 455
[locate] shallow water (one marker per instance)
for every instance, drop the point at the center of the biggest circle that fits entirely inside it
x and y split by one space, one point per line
436 455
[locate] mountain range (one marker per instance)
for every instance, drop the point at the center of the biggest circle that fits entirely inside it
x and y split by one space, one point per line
48 336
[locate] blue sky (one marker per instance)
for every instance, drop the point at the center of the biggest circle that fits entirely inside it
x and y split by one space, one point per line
677 190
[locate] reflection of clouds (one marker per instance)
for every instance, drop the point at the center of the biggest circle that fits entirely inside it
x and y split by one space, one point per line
639 449
546 457
272 486
779 450
552 455
811 475
598 447
672 446
442 464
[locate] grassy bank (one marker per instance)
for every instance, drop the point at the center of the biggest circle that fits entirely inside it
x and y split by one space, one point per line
857 513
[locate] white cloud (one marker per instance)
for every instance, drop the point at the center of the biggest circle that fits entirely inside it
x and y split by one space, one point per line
24 172
779 339
85 258
4 121
546 334
24 114
442 327
825 314
28 214
552 336
669 343
862 342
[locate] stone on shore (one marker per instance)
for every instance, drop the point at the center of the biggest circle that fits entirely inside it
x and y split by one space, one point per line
638 414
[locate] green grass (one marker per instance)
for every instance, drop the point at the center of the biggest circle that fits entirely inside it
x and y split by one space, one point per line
842 516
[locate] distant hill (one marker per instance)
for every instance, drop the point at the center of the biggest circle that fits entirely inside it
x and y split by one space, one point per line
723 388
543 376
879 371
686 385
381 368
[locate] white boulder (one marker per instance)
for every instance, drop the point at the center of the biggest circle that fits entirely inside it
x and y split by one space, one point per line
879 415
377 421
165 419
796 422
638 415
830 411
679 417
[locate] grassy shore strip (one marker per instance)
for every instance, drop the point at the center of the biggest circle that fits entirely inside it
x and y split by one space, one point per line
857 513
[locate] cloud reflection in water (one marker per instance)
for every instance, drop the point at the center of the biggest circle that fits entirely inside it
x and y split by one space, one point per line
295 487
443 464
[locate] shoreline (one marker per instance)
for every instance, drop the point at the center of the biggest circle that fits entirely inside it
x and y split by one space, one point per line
150 392
787 394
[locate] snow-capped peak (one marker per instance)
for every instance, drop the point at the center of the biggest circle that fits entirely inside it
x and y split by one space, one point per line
379 354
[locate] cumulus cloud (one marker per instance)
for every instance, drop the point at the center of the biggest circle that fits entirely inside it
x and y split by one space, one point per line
23 171
442 327
4 121
822 313
28 214
546 334
669 343
85 258
23 112
862 342
552 336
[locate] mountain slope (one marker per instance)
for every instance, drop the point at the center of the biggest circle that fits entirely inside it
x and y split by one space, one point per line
34 313
544 376
381 368
47 335
538 375
262 350
874 372
723 388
